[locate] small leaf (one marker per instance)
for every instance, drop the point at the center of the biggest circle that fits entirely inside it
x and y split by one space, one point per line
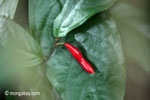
100 44
8 7
76 12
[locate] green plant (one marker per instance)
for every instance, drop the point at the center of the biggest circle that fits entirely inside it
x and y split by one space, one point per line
88 25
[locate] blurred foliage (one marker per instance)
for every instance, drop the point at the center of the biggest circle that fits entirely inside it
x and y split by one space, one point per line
6 10
133 23
21 60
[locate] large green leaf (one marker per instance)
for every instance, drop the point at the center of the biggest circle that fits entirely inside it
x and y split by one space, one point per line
21 61
100 44
8 7
41 17
76 12
18 43
19 50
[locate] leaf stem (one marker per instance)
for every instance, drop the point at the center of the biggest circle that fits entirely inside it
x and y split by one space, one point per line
44 63
61 43
51 52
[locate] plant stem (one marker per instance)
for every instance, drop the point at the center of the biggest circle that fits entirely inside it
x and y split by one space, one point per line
51 52
44 64
61 43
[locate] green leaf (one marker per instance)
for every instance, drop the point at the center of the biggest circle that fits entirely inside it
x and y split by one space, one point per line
76 12
18 43
41 18
21 61
100 44
8 7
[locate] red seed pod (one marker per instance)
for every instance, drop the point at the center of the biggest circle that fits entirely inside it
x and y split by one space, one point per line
78 56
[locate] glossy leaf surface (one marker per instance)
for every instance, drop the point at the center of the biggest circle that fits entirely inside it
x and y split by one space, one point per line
76 12
100 44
